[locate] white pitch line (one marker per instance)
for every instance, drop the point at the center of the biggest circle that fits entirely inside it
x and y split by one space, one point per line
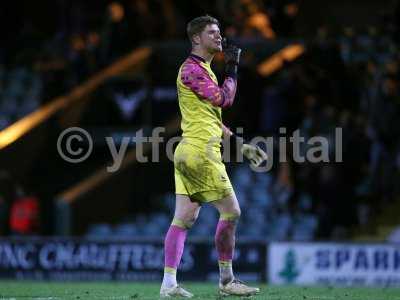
269 297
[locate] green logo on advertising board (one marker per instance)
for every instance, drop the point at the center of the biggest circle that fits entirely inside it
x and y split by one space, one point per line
289 272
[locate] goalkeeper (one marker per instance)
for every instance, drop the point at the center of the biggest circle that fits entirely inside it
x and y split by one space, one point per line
199 177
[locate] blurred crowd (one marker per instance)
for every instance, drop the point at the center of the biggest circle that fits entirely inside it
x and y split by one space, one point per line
38 63
348 78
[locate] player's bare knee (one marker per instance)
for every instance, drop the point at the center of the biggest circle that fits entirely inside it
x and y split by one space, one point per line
236 213
231 215
189 222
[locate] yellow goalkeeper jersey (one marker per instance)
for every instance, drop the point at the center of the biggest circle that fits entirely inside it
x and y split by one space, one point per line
200 102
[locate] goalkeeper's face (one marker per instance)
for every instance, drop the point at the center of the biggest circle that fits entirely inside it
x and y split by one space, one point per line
210 39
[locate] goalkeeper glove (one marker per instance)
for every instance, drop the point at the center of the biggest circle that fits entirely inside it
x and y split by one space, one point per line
254 153
231 57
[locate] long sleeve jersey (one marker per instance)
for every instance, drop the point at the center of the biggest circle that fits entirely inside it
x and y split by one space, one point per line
200 102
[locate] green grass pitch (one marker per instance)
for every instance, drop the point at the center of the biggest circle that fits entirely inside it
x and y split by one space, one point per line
149 291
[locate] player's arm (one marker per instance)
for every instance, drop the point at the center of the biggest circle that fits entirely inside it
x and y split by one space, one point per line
226 132
231 58
198 80
252 152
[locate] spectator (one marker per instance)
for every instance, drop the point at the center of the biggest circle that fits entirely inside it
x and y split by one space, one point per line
24 214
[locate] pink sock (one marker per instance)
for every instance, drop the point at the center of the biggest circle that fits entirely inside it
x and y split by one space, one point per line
173 246
225 239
